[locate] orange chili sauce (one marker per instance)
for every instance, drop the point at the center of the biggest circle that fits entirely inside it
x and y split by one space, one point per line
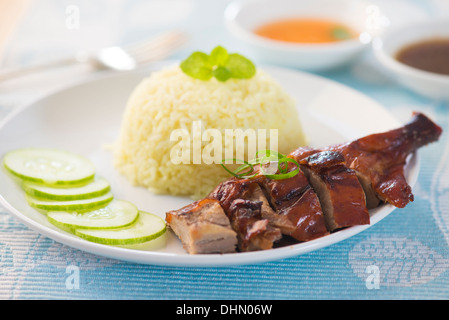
305 31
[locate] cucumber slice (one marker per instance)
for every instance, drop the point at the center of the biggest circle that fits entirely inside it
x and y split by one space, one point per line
118 213
49 166
93 189
152 245
147 227
72 205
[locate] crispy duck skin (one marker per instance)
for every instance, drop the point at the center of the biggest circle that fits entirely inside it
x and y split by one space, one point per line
230 190
379 159
291 205
203 227
338 188
297 210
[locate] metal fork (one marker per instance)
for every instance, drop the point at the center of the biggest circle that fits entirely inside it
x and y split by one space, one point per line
115 58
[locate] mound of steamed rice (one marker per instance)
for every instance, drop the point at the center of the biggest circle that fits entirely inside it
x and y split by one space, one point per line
169 99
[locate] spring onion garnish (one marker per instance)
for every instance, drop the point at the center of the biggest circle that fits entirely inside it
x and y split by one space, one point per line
219 64
238 172
265 159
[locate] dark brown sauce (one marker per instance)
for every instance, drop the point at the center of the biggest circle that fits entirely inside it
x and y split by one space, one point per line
431 55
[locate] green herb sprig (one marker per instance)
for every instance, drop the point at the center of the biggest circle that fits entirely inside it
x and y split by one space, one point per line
264 158
340 33
219 64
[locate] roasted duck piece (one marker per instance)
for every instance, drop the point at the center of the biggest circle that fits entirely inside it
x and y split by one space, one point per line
247 209
254 232
203 227
338 188
296 210
255 193
379 159
333 189
289 205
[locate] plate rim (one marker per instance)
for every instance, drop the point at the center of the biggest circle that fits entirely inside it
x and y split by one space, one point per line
188 260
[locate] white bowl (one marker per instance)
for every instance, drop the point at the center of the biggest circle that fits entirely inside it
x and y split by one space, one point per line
386 47
242 17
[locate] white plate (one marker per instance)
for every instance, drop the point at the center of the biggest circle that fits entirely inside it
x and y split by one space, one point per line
85 117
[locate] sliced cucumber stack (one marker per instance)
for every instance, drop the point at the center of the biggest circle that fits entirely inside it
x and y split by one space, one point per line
93 189
49 166
64 186
147 227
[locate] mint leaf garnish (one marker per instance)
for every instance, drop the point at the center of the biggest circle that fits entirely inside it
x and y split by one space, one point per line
219 56
197 66
222 73
219 64
240 67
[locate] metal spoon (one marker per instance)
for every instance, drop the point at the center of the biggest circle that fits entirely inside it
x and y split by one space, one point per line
115 58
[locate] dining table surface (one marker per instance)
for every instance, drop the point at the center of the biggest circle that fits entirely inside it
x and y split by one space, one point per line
405 256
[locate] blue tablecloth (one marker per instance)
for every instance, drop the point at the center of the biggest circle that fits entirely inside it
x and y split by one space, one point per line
408 250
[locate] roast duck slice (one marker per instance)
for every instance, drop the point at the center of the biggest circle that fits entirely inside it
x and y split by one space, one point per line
334 189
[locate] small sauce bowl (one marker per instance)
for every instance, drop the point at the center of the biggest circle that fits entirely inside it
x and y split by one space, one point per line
386 47
244 17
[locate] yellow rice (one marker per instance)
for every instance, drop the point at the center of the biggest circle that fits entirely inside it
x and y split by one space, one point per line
168 100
